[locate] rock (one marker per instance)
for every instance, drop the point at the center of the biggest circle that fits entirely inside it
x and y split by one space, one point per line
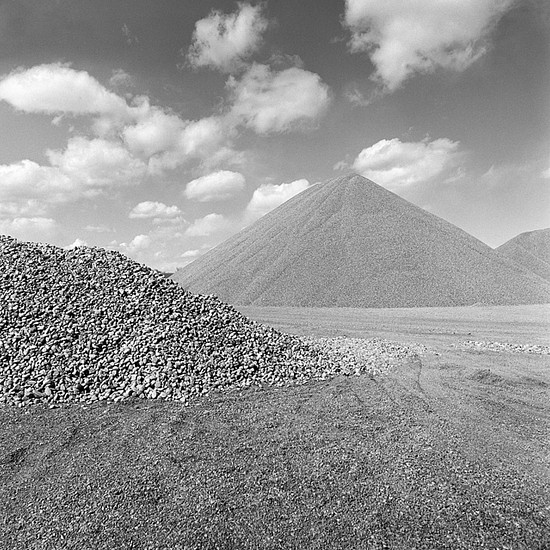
89 324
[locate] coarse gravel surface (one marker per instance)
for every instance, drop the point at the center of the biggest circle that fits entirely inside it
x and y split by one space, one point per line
506 347
431 446
87 325
349 463
372 355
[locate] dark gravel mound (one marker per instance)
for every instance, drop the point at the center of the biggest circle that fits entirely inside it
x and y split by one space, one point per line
351 243
530 250
88 324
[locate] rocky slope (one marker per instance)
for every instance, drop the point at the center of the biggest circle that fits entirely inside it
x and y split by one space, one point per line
87 324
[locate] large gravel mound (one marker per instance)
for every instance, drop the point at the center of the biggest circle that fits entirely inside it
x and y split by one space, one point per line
351 243
89 324
530 250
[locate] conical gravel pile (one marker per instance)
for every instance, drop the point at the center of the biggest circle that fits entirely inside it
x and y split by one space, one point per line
88 324
530 250
348 242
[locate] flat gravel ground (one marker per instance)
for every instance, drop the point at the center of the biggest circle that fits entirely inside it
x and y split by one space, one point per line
355 462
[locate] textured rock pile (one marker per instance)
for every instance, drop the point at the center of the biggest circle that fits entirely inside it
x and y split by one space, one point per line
359 355
87 324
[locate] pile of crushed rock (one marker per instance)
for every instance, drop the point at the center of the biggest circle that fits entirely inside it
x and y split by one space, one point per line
88 324
373 355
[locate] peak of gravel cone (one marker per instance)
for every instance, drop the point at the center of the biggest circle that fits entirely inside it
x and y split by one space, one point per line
349 242
88 324
530 250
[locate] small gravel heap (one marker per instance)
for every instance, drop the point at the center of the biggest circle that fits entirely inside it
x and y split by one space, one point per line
503 346
88 324
374 355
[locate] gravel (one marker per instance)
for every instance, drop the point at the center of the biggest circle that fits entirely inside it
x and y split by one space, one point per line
88 324
360 355
502 346
349 242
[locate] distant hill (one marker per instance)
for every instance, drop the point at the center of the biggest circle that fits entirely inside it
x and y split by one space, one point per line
351 243
531 250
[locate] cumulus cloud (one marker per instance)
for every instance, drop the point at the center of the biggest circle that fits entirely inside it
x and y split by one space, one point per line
25 184
157 131
85 168
396 164
224 41
160 138
206 226
98 163
219 185
270 102
168 141
269 196
202 137
57 88
21 207
137 244
150 209
403 38
27 228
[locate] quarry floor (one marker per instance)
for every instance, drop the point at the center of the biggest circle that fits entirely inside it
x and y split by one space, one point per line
451 450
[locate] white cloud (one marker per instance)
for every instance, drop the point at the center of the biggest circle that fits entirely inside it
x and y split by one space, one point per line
84 168
26 184
75 244
270 102
99 229
154 133
396 164
21 207
402 38
56 88
269 196
169 141
98 163
137 244
206 226
33 228
157 136
202 137
191 254
150 209
225 41
219 185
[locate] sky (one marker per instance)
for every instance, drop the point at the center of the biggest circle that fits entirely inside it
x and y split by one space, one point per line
159 128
